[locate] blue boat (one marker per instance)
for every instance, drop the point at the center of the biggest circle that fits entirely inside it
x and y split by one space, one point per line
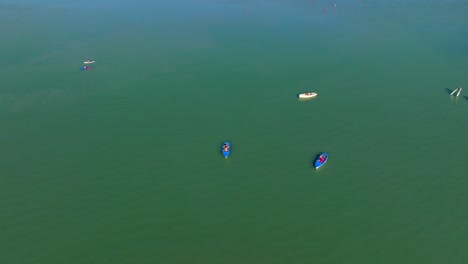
320 161
226 149
86 68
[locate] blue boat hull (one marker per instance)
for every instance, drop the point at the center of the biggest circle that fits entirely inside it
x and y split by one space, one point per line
226 153
319 163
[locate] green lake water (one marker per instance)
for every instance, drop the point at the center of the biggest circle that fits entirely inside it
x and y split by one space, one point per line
122 164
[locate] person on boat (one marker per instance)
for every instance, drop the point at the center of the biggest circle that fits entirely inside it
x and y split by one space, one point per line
84 67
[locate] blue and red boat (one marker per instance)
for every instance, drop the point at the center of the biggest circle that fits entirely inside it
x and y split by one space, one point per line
226 148
321 160
86 68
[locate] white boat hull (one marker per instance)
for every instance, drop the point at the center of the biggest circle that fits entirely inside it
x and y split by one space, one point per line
307 95
88 62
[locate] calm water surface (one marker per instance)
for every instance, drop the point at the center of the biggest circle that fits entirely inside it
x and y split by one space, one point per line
121 164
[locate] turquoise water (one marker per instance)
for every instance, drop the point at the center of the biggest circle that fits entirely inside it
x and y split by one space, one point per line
122 164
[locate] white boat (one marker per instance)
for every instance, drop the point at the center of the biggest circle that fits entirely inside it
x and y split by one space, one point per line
88 62
307 95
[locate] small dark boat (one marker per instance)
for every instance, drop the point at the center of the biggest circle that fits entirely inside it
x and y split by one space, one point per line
226 149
